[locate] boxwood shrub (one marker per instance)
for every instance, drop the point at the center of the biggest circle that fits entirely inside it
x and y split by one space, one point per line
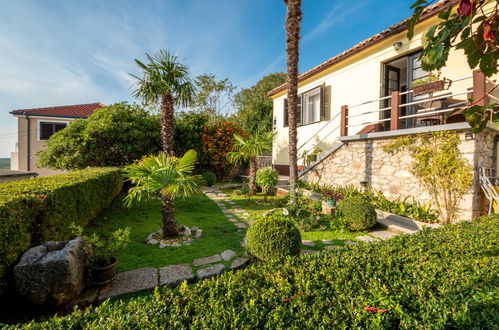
357 212
273 237
43 208
437 278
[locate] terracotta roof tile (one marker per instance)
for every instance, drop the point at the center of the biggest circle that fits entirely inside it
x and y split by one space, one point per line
394 29
77 110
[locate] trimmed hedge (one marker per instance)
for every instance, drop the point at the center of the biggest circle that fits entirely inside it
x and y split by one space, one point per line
43 208
437 278
357 212
273 237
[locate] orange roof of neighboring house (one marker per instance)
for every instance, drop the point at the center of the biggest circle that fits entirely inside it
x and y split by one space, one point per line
69 111
392 30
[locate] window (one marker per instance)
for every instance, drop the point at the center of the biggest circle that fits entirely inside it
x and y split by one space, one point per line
46 129
313 106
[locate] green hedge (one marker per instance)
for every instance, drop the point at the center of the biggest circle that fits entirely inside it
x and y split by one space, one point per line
439 278
43 208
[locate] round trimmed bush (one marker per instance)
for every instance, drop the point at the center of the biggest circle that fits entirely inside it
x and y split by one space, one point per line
210 178
357 213
273 237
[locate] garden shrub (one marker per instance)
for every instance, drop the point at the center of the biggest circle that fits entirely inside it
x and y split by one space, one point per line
273 237
444 278
266 178
210 178
40 209
357 213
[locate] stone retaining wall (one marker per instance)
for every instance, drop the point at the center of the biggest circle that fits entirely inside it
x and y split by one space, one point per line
365 160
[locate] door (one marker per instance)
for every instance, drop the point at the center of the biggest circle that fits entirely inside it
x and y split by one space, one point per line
392 84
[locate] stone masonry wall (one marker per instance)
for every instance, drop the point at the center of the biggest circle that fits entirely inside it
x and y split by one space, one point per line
365 160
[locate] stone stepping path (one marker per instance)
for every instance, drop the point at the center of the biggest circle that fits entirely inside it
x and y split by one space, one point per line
147 278
232 213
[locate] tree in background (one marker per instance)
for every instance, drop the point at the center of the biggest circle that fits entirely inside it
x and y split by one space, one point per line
213 97
189 125
165 79
474 28
115 135
293 20
254 107
247 149
166 177
217 141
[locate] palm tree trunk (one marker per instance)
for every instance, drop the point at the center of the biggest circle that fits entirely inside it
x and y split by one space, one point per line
167 122
167 213
293 19
252 176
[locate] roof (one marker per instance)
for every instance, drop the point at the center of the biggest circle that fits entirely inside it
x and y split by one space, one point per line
392 30
65 111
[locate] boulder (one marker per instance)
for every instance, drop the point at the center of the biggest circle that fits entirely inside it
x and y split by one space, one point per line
52 274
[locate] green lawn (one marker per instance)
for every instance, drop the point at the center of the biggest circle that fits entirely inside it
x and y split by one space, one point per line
218 233
256 207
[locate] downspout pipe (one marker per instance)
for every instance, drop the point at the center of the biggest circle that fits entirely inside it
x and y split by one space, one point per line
28 146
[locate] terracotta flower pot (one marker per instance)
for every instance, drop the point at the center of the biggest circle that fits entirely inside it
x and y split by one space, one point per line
100 275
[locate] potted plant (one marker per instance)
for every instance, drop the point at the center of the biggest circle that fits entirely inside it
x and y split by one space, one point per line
103 260
431 83
331 197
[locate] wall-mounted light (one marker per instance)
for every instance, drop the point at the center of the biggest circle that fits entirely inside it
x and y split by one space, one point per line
397 45
469 136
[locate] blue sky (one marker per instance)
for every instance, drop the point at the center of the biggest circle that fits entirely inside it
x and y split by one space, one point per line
59 52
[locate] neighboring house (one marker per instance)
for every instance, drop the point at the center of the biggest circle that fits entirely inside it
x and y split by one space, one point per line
353 103
35 126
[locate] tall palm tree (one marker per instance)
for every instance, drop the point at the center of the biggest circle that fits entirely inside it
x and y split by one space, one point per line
165 79
247 150
293 19
166 177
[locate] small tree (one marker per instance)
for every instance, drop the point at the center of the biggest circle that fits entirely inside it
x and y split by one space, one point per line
266 178
247 149
166 177
444 173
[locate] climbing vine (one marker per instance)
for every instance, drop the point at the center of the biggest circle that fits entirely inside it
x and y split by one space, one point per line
437 162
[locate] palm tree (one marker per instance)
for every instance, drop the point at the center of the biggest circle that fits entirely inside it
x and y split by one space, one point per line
293 19
166 177
165 79
247 150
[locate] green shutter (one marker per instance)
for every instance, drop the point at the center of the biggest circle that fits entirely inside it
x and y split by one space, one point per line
325 102
285 113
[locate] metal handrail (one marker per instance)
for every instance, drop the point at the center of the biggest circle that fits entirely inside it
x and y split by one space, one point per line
370 101
370 123
316 133
434 98
423 114
368 112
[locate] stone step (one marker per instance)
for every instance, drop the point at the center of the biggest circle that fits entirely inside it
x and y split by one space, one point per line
367 239
402 224
383 234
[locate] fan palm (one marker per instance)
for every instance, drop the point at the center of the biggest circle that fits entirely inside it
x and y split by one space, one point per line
293 20
165 79
166 177
247 149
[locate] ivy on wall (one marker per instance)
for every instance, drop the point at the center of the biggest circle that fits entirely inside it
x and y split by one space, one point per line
438 163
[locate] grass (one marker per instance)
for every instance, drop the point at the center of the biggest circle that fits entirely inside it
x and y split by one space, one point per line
256 207
218 233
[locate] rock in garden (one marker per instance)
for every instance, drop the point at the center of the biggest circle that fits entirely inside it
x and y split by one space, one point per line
239 263
211 271
51 274
206 260
175 274
199 234
307 243
240 225
228 254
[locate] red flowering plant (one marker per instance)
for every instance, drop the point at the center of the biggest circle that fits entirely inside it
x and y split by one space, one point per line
472 27
216 142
